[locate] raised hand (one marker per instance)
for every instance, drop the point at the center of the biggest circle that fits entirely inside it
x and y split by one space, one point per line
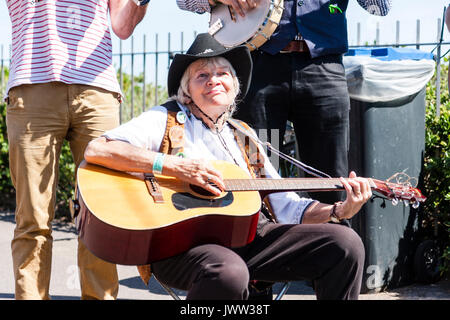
241 6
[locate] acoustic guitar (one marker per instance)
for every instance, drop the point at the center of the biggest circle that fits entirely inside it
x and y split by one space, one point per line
136 220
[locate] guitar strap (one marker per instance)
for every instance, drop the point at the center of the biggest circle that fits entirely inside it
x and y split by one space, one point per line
249 148
253 156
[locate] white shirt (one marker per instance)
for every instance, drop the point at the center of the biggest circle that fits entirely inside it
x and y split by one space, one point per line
147 131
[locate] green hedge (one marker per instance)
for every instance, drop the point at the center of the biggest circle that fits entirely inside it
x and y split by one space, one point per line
437 166
6 189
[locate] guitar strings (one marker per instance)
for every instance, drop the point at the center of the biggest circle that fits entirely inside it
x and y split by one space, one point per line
308 169
403 179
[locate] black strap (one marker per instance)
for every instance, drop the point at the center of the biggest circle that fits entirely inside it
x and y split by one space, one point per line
171 105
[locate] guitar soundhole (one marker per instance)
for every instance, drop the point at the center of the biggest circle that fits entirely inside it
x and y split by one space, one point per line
201 191
186 200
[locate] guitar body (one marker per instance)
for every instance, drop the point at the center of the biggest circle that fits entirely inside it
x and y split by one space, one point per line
120 221
126 219
253 30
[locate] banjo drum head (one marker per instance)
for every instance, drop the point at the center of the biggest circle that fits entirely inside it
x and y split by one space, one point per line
234 33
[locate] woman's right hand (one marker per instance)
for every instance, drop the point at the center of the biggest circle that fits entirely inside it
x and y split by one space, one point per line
195 171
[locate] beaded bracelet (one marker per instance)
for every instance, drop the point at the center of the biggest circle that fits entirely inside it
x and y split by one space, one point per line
333 217
158 163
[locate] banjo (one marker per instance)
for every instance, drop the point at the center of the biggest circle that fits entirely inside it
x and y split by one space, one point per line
253 30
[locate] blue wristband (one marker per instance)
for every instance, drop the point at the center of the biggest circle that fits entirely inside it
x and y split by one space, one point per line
158 163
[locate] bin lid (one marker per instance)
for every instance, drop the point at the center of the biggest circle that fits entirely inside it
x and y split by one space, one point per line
370 79
390 54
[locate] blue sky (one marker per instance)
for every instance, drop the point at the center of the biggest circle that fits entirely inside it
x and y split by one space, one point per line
164 17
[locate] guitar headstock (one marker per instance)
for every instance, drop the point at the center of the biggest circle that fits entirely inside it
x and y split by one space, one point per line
398 191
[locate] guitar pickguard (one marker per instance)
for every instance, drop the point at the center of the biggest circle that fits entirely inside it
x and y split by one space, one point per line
184 200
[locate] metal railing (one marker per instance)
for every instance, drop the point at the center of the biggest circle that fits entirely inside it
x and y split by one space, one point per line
146 87
157 61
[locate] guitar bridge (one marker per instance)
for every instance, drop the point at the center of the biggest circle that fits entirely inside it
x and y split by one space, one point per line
153 188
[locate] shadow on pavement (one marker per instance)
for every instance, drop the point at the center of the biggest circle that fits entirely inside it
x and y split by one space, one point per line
5 296
296 288
434 291
61 225
7 217
153 286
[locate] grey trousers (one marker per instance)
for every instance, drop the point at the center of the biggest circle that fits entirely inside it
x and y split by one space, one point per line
331 255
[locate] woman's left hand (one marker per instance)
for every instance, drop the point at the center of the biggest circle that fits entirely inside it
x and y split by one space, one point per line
358 193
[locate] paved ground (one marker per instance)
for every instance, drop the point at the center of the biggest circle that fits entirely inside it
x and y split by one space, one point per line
65 286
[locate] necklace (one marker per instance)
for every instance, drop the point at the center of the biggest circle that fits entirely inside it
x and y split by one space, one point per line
209 118
224 144
217 132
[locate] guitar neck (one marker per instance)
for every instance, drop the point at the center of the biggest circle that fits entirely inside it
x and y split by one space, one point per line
287 184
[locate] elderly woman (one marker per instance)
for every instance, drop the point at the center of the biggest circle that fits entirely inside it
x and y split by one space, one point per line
206 83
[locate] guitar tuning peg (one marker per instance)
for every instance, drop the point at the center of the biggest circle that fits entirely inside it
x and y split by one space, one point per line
383 204
416 204
394 201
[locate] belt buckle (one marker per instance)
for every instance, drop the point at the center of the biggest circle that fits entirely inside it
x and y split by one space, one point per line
287 51
298 37
302 46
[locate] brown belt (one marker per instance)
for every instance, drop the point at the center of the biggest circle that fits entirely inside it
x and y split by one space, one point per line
295 46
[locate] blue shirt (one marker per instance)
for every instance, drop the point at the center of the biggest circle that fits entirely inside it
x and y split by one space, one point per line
325 32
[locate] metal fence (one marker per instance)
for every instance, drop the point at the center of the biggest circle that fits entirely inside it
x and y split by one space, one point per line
142 73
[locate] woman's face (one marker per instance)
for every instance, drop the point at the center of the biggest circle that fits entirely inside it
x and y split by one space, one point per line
211 86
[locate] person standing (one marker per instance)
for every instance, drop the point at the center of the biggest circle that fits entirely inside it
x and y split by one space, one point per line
298 76
62 85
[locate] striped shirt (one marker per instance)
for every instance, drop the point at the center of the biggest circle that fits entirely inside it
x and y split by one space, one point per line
61 40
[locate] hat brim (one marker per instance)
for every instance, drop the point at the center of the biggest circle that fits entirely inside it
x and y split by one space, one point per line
239 57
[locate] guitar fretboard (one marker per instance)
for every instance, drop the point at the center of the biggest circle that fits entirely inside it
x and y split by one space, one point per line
287 184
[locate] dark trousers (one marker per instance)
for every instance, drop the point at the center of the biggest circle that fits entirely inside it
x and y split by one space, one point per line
312 93
331 255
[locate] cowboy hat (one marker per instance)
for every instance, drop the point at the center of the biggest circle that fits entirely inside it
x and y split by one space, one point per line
205 46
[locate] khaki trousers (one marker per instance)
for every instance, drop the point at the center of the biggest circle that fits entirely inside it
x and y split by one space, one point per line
39 118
